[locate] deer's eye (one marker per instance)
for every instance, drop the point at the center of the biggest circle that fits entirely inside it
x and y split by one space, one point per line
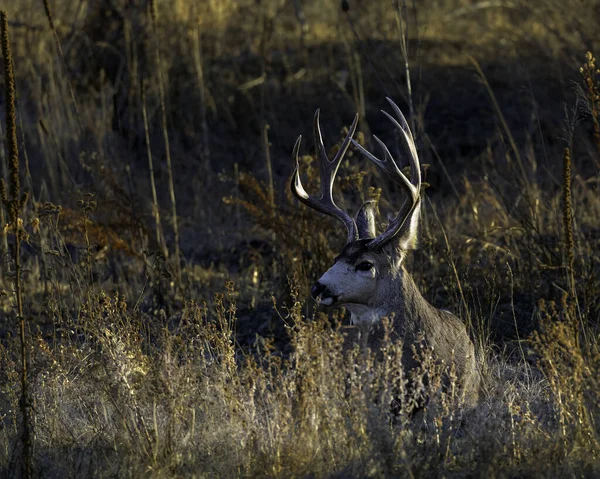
364 266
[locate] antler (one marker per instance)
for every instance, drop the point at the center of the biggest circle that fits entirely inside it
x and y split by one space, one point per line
329 168
401 223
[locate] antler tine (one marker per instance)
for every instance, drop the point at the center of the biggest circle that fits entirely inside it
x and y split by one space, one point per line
329 169
389 166
415 169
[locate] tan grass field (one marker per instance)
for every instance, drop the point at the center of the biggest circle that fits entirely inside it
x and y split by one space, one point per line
155 279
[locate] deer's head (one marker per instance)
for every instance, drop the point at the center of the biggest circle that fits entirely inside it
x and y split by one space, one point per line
369 266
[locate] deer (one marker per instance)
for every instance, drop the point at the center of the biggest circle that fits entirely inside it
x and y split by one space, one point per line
369 277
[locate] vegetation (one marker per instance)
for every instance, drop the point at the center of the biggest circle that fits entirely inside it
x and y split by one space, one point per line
154 290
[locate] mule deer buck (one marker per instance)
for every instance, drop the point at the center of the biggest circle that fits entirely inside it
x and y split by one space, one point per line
369 278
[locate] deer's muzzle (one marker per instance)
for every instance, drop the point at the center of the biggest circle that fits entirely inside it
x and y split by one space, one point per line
322 294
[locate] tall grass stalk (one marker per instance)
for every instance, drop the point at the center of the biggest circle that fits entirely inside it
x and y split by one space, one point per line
403 34
198 64
466 309
267 152
160 239
267 30
165 129
63 63
357 82
14 202
511 138
361 44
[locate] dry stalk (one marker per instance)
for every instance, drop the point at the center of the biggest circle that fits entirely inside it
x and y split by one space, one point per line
160 239
3 220
267 31
403 33
267 152
511 139
568 226
463 299
14 203
163 111
63 62
198 63
568 212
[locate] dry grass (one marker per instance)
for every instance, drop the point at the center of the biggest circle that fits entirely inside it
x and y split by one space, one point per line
218 364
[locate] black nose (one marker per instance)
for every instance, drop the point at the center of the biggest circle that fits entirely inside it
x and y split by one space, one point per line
318 289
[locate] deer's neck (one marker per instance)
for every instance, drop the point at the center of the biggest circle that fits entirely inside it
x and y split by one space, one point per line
399 298
410 307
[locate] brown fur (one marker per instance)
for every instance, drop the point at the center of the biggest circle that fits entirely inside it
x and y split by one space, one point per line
414 321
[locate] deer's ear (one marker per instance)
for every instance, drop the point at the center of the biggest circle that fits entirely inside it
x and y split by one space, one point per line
407 238
365 220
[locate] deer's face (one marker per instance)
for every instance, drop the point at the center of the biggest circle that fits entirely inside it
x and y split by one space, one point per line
354 279
369 268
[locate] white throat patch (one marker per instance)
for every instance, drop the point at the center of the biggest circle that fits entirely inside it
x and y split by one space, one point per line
364 316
